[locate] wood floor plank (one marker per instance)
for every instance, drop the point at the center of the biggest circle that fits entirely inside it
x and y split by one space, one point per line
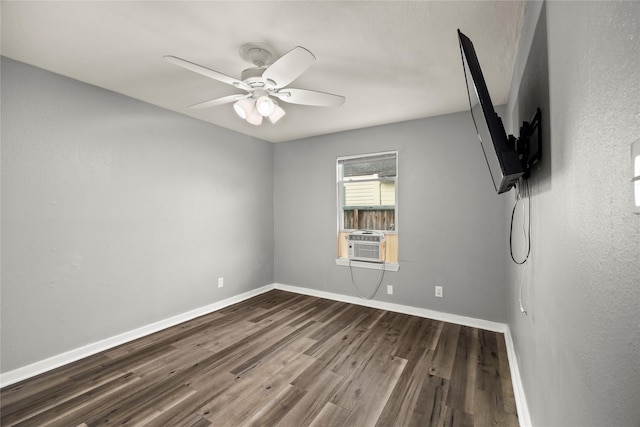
245 384
149 408
127 402
408 338
429 409
276 409
294 301
196 422
489 410
319 308
268 352
373 392
463 377
370 388
416 349
165 336
444 354
189 411
505 373
58 409
281 359
322 389
356 358
328 347
47 382
330 415
123 364
456 418
222 338
258 395
46 399
170 362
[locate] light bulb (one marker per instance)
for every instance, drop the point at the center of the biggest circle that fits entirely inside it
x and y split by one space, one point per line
265 106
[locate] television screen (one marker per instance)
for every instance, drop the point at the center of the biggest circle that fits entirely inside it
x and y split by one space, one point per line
499 150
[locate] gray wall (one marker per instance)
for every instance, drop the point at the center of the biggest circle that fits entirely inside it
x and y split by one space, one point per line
578 348
117 214
451 223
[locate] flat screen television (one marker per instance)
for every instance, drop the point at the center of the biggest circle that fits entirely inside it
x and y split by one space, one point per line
509 159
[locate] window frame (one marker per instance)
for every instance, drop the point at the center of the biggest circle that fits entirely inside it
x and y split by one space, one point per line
390 264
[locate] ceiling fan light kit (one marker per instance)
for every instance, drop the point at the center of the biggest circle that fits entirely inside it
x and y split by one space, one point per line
253 110
266 80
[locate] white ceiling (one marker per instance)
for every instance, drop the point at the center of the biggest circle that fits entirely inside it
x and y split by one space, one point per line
392 60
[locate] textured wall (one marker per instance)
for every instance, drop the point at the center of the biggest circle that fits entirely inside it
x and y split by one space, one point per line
578 347
451 223
117 214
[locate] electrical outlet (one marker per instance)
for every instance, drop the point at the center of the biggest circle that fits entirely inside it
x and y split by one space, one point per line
439 291
220 282
390 289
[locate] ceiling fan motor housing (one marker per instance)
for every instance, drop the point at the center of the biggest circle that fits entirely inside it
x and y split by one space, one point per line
253 77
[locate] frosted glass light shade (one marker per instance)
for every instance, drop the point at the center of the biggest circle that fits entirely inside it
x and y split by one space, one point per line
277 114
265 106
254 117
243 107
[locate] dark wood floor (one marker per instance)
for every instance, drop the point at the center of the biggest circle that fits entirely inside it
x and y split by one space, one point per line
281 359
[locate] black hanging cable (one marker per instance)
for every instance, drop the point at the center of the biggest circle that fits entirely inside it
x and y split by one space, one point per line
524 185
526 188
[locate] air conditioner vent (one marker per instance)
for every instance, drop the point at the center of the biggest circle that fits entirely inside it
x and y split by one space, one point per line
366 246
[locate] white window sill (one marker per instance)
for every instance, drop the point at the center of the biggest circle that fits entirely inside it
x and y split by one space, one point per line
388 266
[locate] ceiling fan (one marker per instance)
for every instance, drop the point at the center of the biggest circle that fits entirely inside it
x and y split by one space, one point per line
265 83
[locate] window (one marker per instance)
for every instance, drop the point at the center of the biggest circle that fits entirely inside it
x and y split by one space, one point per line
367 194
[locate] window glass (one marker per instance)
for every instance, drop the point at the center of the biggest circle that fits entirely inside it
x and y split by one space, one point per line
367 192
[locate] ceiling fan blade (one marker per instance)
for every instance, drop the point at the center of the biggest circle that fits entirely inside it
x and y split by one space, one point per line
289 66
309 97
220 101
206 72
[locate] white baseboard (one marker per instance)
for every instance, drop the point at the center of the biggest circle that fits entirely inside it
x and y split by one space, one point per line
405 309
518 390
20 374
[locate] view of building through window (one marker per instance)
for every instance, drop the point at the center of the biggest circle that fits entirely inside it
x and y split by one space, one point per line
367 192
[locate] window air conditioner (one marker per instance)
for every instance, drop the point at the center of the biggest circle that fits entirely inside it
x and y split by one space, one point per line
366 246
